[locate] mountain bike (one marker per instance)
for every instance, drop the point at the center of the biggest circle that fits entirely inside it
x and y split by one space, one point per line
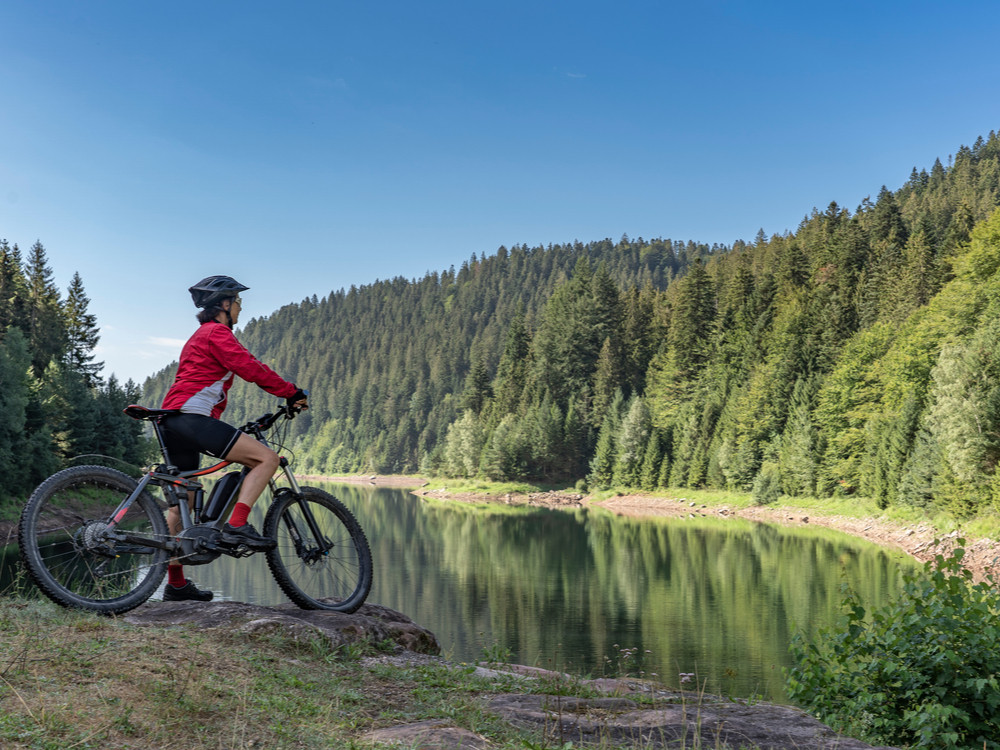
91 537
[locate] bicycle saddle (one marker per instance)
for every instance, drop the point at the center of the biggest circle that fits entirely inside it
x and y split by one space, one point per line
141 412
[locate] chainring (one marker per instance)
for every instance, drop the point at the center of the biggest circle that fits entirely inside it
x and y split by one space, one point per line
199 545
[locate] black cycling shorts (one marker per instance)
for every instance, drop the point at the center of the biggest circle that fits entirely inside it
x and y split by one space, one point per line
189 435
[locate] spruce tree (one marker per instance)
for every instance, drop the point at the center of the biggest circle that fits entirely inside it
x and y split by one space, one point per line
607 380
478 390
631 444
82 334
602 465
691 321
512 372
13 288
14 396
46 328
652 459
640 331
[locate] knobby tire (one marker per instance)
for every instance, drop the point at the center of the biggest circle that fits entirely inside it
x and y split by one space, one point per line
332 572
56 540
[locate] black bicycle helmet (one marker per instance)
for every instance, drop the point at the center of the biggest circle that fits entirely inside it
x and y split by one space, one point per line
214 289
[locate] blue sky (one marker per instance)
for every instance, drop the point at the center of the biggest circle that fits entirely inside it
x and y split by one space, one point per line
304 147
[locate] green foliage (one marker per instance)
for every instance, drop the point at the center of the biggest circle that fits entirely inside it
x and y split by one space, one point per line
463 446
388 364
921 672
856 356
632 440
53 403
767 485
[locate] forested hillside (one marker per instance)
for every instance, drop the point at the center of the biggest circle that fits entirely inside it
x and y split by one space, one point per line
855 355
387 363
54 404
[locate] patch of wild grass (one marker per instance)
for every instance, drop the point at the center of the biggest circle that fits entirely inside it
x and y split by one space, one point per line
71 679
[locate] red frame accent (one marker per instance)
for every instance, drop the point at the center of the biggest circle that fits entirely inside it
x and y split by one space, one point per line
211 469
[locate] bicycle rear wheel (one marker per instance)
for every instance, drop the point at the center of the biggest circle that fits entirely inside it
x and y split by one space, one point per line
322 559
63 547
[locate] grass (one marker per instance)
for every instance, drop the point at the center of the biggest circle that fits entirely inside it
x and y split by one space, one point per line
71 679
10 509
985 525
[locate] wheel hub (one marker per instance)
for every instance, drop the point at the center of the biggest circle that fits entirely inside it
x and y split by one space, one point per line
92 538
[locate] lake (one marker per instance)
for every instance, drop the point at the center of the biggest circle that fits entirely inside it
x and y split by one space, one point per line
592 593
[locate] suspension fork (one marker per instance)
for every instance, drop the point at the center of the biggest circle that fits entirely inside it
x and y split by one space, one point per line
322 542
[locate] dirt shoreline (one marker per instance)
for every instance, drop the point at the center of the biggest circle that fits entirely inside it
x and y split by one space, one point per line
920 541
378 480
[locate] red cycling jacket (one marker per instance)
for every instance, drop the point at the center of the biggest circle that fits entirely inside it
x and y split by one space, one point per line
208 362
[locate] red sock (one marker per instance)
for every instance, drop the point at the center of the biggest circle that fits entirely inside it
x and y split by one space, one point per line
239 516
175 576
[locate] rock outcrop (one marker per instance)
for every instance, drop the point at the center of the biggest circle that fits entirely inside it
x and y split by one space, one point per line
371 623
631 712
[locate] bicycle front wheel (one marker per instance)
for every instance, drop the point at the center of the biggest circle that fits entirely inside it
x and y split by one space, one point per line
322 559
67 553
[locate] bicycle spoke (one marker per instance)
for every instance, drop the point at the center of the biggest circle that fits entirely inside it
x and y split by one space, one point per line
72 552
322 559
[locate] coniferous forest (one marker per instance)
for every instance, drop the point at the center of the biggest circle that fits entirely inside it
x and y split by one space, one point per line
856 355
54 403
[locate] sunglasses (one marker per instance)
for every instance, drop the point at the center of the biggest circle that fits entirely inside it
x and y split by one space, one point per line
238 300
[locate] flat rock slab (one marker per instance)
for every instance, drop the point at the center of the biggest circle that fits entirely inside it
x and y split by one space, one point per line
371 623
704 722
663 719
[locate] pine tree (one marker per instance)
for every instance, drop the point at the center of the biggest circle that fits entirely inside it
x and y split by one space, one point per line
46 329
478 390
576 442
577 319
83 334
631 444
70 411
651 463
691 321
504 455
607 380
13 288
797 453
14 396
602 465
543 425
512 372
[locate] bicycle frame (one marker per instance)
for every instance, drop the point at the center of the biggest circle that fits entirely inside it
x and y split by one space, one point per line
82 552
183 490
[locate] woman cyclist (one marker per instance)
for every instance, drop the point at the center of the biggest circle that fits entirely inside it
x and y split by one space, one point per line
209 361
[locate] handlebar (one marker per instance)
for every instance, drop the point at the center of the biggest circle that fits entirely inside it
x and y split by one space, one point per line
267 421
286 410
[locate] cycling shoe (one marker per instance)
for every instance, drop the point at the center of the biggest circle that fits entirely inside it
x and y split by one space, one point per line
246 535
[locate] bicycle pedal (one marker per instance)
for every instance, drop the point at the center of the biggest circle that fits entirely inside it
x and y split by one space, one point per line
237 550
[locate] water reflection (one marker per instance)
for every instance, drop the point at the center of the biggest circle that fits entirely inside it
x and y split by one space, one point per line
578 590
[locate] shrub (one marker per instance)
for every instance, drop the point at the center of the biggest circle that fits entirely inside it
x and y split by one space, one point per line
767 485
921 672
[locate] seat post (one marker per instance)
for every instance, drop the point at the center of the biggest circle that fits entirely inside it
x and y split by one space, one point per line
171 469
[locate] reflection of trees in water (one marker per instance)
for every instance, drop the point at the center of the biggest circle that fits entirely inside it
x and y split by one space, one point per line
568 589
719 597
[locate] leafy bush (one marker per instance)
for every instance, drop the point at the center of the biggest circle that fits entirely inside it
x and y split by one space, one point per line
921 672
